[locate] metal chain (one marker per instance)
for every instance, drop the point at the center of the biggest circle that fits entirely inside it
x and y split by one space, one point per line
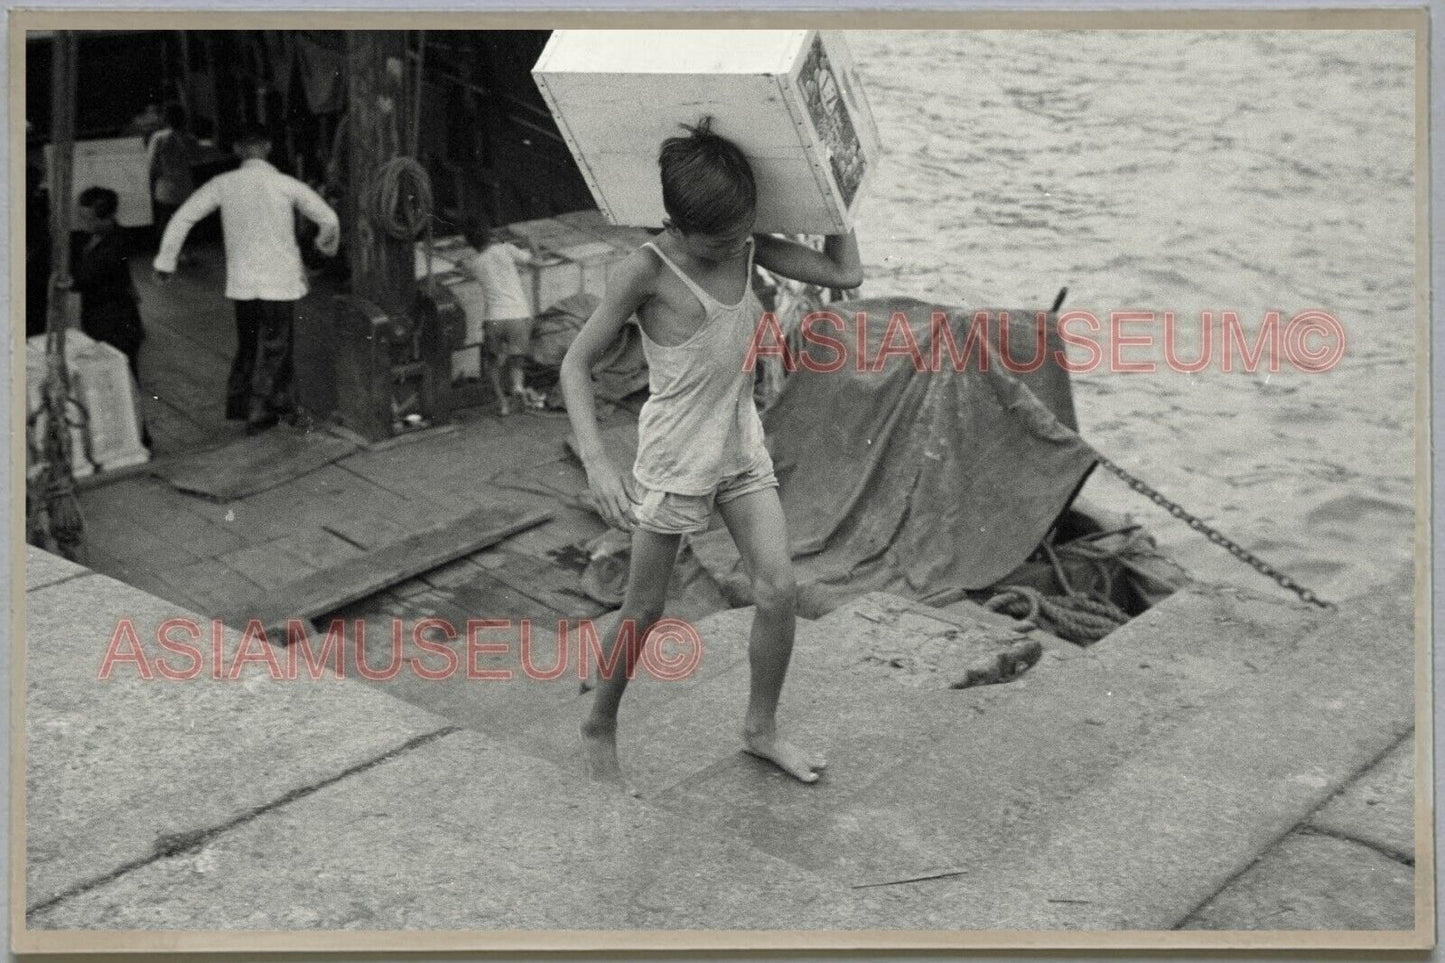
1218 538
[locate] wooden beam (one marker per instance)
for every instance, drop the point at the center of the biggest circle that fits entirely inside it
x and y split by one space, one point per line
379 116
332 588
63 67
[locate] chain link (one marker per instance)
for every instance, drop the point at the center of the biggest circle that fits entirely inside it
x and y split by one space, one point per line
1218 538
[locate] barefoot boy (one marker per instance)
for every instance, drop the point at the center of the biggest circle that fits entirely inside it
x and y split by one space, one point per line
700 441
508 328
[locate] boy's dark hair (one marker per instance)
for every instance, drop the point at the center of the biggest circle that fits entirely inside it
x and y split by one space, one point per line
101 200
707 183
478 231
174 115
253 135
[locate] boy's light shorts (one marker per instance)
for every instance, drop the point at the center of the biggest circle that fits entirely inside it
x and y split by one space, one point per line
668 513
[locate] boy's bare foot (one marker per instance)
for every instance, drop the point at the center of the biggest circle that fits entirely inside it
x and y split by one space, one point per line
599 753
801 765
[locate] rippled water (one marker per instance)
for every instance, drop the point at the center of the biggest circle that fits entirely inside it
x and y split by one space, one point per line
1188 171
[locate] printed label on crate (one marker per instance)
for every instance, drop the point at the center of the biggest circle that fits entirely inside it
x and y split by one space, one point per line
821 94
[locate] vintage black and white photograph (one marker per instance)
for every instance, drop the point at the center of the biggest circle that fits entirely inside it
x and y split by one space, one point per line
825 484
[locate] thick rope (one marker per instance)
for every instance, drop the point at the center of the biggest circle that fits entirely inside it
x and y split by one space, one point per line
398 198
1076 618
1136 545
1083 614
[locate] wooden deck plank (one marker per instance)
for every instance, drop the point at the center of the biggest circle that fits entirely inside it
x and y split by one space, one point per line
569 526
178 343
328 498
124 536
330 589
192 305
545 581
130 571
197 376
177 518
255 464
442 467
382 518
562 476
171 432
209 587
553 586
292 557
370 532
486 598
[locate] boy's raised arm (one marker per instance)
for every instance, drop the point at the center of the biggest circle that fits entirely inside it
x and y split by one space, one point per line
836 266
627 289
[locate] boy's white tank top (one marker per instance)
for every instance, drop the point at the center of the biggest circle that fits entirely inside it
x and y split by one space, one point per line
699 425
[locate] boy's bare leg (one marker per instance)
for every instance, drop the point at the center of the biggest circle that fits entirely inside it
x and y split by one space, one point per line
757 526
607 627
494 375
650 571
526 397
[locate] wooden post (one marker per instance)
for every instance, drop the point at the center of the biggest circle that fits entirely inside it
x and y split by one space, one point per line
378 111
53 518
183 85
62 171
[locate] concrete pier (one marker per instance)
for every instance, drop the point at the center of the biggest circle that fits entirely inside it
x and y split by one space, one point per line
1214 755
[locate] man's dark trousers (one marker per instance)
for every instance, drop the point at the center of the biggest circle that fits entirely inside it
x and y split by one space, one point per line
259 387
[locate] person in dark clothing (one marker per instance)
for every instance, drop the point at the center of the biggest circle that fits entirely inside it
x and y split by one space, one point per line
109 309
37 252
172 152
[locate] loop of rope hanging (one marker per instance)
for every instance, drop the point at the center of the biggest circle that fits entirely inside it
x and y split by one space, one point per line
398 198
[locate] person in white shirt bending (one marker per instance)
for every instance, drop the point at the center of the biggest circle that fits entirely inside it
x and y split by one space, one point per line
264 274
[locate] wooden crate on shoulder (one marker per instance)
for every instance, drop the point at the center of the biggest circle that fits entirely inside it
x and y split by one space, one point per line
791 99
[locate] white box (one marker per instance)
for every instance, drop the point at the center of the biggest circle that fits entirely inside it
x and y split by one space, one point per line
120 163
791 99
106 432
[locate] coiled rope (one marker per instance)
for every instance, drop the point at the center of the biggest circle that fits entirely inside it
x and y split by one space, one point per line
1084 614
1077 618
398 198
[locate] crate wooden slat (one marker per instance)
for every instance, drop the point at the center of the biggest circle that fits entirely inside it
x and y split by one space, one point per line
790 99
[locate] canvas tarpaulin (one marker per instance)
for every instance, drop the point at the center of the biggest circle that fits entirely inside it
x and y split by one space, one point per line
914 482
622 368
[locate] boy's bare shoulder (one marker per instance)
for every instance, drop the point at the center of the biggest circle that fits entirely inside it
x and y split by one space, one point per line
638 271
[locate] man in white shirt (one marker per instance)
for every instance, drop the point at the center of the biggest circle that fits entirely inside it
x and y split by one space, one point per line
264 274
